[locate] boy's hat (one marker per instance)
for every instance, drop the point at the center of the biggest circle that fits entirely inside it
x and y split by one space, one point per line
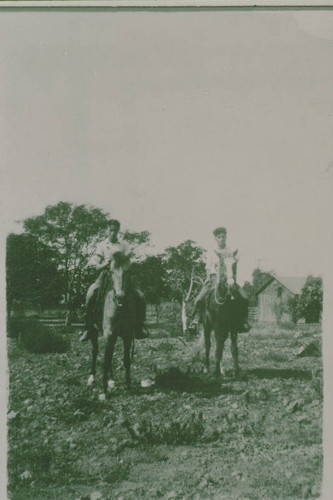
114 222
219 230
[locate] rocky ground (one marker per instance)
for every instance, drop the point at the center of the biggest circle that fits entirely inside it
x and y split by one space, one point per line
179 433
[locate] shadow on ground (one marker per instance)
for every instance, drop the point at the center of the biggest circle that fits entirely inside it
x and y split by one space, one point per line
283 373
176 380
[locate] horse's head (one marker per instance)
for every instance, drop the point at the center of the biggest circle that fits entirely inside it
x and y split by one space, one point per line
120 276
226 278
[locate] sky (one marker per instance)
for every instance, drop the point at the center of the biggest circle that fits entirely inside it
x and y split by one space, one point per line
176 123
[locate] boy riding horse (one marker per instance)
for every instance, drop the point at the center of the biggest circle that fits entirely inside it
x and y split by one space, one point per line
104 256
215 259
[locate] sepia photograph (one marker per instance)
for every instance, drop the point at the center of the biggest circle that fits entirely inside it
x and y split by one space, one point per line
166 184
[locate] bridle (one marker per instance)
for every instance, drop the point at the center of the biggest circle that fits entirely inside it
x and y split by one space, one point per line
119 297
222 278
218 299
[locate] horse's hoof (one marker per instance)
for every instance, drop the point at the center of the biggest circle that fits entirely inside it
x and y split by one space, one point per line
111 384
91 380
102 397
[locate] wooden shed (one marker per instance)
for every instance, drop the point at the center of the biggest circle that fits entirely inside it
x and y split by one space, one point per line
273 298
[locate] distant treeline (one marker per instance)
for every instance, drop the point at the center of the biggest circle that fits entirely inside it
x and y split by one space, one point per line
49 263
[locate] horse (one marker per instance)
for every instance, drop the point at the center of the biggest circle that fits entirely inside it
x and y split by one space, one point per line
221 312
119 319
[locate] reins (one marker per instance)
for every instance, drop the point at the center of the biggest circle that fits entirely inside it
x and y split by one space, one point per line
217 297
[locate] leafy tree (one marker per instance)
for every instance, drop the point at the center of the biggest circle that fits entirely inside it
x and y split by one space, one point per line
185 270
72 232
150 276
260 278
136 238
310 302
249 290
139 243
32 272
294 308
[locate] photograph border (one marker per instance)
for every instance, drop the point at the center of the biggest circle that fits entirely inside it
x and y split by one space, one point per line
166 4
184 5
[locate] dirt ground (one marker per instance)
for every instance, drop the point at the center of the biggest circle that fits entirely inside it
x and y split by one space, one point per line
179 433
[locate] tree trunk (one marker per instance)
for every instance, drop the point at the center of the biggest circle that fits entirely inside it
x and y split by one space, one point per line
69 317
69 312
184 316
157 312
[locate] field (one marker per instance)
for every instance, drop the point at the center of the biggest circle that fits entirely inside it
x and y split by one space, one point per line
187 436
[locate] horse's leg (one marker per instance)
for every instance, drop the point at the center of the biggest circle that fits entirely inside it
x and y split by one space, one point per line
234 351
207 332
127 341
110 343
220 338
94 344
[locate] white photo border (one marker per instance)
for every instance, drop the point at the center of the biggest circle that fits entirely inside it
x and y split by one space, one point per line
240 5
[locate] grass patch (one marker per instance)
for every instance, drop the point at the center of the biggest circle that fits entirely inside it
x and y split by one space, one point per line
275 356
186 429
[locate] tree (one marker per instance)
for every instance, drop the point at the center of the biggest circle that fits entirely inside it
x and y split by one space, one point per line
310 302
259 279
185 273
31 272
139 243
249 290
150 275
72 232
294 308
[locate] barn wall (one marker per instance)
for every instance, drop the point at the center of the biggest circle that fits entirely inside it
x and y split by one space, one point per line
272 301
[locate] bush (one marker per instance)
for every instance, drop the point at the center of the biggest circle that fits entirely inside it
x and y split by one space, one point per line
36 337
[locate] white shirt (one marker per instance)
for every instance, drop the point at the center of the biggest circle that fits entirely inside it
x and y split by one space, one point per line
106 249
216 257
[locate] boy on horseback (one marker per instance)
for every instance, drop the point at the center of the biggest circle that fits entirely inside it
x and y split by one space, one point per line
215 258
103 259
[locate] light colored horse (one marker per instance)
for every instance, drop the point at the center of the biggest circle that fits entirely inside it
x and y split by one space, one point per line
119 320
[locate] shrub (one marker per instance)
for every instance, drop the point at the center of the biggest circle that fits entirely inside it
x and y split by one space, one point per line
36 337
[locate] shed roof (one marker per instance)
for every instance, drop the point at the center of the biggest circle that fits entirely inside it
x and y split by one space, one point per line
293 283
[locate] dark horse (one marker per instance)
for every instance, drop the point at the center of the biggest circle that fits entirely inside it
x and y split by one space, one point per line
119 319
222 312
